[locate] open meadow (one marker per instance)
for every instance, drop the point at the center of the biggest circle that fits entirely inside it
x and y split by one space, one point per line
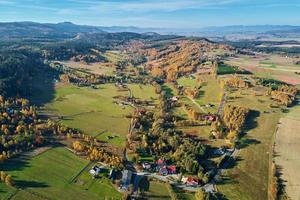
50 175
287 147
94 111
250 173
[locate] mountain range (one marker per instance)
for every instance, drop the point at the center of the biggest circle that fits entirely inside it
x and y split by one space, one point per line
67 30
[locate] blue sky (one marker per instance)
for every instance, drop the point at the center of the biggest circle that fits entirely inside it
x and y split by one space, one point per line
154 13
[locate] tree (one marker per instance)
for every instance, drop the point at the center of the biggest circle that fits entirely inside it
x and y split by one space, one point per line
8 180
144 185
201 195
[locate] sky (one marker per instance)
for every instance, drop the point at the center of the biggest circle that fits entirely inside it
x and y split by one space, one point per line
154 13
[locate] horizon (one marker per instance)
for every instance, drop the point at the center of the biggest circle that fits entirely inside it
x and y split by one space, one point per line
173 14
148 27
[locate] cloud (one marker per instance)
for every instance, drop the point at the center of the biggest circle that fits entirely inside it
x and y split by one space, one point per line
153 5
6 2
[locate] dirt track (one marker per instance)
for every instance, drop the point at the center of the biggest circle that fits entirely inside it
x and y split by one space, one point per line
287 148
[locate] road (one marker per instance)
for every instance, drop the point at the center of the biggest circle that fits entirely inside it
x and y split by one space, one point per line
194 102
222 103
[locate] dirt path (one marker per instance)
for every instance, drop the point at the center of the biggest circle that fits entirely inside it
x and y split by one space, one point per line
222 103
287 148
196 104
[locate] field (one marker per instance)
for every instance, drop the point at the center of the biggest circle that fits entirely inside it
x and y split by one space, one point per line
50 176
286 150
209 93
249 176
269 66
158 191
93 110
95 68
106 68
90 110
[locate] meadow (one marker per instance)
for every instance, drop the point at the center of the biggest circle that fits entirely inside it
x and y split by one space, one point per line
287 147
93 110
51 175
250 174
209 93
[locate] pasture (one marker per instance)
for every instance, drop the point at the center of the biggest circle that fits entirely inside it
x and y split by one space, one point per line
210 93
50 175
90 110
249 176
93 110
158 191
287 146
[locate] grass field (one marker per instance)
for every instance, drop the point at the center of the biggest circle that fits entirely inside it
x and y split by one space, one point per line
287 146
93 110
158 191
209 92
227 69
90 110
50 176
250 177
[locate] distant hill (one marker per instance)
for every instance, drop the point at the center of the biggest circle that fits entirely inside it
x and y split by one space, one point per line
68 30
37 30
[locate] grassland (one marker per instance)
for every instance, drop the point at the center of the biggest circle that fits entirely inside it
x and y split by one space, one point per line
50 175
227 69
209 92
90 110
250 174
286 151
158 191
93 110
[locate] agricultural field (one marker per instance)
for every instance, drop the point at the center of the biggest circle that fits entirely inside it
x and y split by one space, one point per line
51 175
268 66
208 90
286 151
250 173
158 191
95 68
100 68
90 110
93 110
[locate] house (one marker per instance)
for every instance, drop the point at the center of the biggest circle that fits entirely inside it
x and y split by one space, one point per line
209 105
146 166
190 181
219 151
211 118
96 170
160 162
172 169
163 171
174 99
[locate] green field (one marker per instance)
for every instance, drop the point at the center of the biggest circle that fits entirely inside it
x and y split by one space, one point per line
50 176
210 92
250 177
93 110
227 69
158 191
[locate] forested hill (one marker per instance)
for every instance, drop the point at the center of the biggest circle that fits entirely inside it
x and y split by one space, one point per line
65 30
